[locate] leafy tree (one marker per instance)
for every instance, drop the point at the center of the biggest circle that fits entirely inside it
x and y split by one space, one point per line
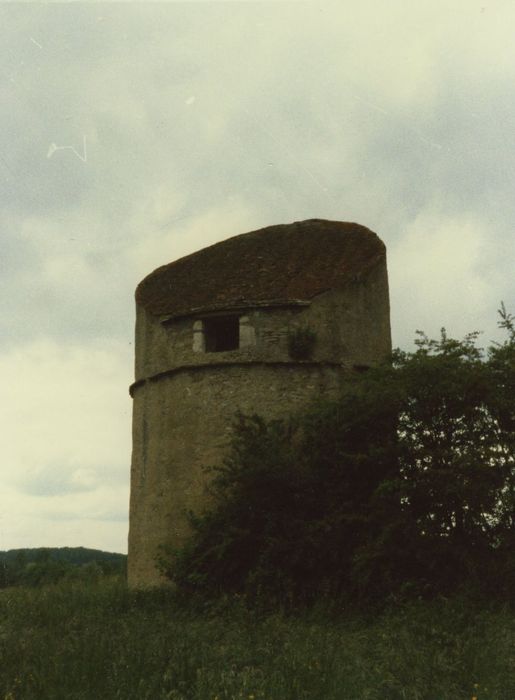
406 483
455 456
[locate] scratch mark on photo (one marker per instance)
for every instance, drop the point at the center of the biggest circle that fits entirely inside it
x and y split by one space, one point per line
54 147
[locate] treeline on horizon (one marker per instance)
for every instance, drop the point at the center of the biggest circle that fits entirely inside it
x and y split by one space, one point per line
43 565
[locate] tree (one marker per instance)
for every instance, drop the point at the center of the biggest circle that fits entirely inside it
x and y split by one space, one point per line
406 483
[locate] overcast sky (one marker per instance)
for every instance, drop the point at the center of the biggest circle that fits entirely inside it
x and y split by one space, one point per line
132 134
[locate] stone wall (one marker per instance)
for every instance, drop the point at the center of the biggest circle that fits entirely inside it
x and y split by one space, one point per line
352 327
182 424
185 400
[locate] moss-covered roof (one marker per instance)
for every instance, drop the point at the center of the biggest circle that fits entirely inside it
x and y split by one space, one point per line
277 264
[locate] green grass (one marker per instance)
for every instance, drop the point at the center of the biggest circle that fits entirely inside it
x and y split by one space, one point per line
99 642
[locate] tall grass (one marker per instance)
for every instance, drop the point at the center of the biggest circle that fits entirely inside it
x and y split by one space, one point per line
73 641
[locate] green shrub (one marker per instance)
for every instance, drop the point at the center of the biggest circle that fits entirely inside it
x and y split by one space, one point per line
301 343
405 486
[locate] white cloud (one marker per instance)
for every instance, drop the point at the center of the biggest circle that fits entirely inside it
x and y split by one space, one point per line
182 237
66 448
204 121
436 277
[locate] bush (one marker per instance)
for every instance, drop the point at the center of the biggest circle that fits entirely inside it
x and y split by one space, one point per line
404 486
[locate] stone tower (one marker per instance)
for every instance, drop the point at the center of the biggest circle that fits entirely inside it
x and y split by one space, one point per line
213 335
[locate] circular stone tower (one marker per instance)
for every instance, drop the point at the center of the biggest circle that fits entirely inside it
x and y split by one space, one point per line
265 323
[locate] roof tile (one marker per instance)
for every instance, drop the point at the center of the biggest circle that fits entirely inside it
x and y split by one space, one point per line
282 263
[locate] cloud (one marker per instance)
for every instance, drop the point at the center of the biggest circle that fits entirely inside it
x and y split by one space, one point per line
51 480
440 257
206 120
66 447
182 237
29 521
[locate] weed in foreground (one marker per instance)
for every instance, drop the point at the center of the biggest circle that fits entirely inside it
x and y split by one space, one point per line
79 642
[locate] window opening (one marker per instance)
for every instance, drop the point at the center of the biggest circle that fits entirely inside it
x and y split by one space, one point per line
221 333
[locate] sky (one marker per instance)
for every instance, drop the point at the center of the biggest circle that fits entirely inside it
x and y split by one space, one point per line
132 134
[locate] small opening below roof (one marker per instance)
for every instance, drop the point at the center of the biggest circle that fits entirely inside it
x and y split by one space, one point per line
221 333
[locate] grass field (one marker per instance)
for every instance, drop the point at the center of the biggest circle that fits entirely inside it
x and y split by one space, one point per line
97 642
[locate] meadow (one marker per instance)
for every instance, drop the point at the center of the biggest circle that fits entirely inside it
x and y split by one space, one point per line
89 641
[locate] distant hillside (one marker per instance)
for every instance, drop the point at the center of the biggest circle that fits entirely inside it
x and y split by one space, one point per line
40 565
68 555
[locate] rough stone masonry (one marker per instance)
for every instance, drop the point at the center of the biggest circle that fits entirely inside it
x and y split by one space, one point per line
219 331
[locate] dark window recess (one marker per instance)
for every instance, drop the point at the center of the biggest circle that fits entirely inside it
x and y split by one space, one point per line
361 368
222 333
